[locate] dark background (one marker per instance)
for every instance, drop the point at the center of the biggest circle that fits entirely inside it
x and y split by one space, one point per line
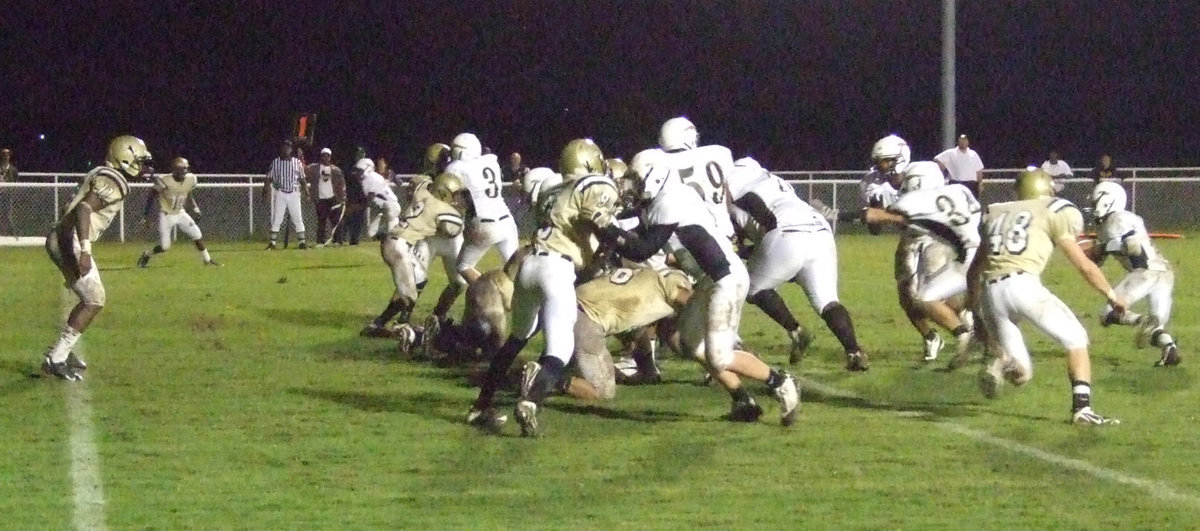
798 84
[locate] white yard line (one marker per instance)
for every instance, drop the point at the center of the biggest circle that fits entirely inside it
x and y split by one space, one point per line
1156 489
86 480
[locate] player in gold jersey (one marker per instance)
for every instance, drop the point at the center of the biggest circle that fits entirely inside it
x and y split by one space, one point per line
1005 285
544 290
624 300
97 201
433 211
172 194
437 158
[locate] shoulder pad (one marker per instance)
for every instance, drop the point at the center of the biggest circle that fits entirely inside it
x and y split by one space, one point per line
1059 203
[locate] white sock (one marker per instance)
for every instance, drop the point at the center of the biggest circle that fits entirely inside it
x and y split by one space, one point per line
66 342
204 254
1163 339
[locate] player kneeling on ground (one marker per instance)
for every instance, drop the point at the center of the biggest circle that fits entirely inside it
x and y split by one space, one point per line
1123 234
1004 282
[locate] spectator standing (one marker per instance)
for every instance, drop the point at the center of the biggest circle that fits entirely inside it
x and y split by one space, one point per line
1058 169
963 165
515 170
327 188
1106 170
285 181
356 206
8 174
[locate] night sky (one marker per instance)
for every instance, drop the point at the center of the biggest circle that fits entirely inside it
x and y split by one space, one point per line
798 84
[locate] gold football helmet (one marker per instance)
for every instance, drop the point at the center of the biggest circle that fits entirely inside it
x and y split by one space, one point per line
449 188
616 168
1034 183
179 165
129 154
437 157
581 157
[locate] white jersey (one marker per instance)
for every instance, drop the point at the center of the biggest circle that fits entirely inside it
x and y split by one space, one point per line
677 205
876 189
949 214
482 178
1123 232
773 204
377 189
705 169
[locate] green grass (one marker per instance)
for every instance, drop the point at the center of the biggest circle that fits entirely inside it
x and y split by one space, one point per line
242 397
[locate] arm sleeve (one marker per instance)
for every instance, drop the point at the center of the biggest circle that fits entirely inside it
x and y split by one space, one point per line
641 245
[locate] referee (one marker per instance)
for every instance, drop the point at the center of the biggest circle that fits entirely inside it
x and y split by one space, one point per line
285 181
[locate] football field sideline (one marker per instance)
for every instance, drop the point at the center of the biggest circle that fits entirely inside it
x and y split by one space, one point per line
1157 489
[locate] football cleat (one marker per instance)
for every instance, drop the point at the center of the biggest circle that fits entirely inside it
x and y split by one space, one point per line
933 347
406 337
788 394
373 330
61 370
528 376
212 263
1146 325
857 361
429 335
801 339
1087 417
271 246
144 260
302 246
745 411
991 379
1170 356
75 362
526 413
486 419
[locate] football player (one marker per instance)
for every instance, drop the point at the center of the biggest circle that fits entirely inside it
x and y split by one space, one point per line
701 168
97 200
437 157
173 195
381 197
709 323
942 236
1123 235
433 211
489 222
544 290
1004 283
881 185
797 244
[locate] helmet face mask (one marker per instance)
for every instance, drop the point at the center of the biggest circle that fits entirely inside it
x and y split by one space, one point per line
449 188
890 155
616 168
180 166
678 133
1108 197
581 157
466 146
129 155
646 182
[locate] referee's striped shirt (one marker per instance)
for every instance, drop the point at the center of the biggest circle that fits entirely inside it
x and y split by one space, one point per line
286 174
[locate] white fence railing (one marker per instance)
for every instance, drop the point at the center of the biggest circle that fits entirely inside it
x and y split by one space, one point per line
234 209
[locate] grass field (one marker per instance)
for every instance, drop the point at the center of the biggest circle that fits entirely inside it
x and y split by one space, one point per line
242 397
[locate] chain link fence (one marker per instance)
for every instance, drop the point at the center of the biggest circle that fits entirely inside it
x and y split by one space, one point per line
234 208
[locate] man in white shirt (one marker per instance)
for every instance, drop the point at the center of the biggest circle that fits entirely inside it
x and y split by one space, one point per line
1058 169
962 165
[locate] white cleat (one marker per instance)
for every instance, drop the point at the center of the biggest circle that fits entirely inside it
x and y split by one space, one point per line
1087 417
406 339
788 394
526 413
933 347
991 378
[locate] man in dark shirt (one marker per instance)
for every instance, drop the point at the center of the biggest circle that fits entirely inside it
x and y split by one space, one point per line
514 171
356 206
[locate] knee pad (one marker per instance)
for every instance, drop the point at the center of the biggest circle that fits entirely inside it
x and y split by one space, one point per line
722 357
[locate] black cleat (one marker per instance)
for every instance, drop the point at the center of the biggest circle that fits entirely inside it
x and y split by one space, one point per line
302 246
745 411
1170 357
61 370
75 362
144 260
857 362
486 420
271 246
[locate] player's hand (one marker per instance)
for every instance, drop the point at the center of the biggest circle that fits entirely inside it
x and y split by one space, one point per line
85 263
196 212
1119 305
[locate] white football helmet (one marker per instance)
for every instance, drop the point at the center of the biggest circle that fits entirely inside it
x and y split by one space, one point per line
539 179
466 146
678 133
891 148
923 175
642 171
745 170
364 165
1107 197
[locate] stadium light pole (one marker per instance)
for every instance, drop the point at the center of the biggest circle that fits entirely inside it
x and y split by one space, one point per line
948 103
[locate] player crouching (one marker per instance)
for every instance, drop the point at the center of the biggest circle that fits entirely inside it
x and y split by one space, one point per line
1123 235
173 193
